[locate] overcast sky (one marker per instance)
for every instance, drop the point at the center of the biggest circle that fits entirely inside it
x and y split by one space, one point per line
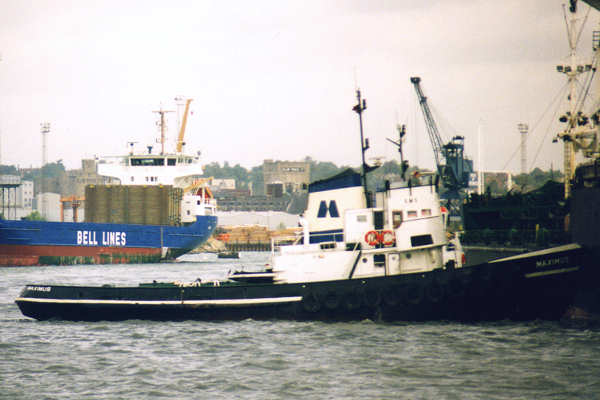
277 79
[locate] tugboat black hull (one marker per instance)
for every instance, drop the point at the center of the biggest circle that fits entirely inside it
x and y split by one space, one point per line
544 285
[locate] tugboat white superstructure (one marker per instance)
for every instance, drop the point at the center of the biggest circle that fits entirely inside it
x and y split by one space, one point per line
346 236
404 233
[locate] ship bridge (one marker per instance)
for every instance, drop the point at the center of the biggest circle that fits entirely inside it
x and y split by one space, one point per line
151 169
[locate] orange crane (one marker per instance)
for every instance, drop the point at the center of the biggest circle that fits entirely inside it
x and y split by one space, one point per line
75 204
183 124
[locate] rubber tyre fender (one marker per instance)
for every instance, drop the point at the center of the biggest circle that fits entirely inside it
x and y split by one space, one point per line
352 301
310 302
372 297
414 294
434 291
332 300
456 287
391 296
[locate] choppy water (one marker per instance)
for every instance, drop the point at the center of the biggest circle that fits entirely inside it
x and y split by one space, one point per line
278 359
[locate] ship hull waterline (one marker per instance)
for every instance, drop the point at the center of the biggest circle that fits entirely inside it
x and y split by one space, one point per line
544 287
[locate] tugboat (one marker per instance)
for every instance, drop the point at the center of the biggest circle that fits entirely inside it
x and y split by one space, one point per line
359 256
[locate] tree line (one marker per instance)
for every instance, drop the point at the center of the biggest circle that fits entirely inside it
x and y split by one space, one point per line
389 170
253 177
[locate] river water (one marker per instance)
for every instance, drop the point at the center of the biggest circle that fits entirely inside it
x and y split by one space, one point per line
278 359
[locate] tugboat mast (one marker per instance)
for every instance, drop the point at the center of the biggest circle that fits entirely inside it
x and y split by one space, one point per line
360 106
401 132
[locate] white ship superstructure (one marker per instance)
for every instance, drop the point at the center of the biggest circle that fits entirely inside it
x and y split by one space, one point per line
176 169
152 169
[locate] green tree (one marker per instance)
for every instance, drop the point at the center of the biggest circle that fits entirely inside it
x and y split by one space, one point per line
257 179
50 170
34 216
8 170
321 170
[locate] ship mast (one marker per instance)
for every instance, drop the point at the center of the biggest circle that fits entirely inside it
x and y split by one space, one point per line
578 130
163 127
361 106
403 163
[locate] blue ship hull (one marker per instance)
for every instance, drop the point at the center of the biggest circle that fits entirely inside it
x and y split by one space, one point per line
40 242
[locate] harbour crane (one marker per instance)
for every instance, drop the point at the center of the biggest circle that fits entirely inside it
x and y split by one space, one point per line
454 169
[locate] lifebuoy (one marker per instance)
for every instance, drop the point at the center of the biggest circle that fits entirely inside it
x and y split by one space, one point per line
388 238
372 238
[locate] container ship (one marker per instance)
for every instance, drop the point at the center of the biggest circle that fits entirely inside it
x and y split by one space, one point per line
160 210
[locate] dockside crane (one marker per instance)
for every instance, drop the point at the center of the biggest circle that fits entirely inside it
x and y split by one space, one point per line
454 169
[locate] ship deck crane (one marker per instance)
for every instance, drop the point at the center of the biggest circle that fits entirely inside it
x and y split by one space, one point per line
453 168
180 141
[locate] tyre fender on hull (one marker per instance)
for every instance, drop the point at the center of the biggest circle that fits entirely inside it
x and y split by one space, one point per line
310 302
414 293
456 287
332 300
352 301
434 291
372 297
391 296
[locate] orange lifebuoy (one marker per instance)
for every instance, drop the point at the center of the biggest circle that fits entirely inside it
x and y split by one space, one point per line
388 238
372 238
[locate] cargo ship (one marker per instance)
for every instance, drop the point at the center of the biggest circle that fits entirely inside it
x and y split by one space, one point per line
551 214
160 210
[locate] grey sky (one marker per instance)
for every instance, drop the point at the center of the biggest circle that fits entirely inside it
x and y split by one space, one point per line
276 79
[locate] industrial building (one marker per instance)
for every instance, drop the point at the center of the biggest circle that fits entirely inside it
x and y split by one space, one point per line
285 177
16 197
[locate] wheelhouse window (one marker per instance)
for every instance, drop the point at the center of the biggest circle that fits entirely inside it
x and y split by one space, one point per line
147 161
327 246
171 161
421 240
426 212
411 214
